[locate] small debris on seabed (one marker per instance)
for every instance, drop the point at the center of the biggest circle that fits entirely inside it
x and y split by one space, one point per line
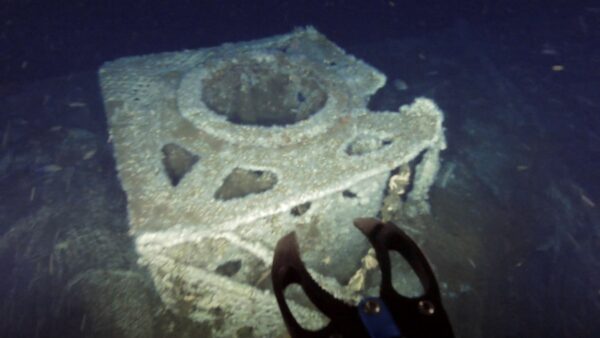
400 85
548 49
77 104
89 154
587 201
32 194
51 168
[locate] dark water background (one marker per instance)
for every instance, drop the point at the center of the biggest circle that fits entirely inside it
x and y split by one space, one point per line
519 82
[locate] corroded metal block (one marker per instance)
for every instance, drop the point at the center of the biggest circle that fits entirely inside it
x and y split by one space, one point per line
223 150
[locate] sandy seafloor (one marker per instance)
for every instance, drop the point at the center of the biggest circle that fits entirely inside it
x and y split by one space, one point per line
514 230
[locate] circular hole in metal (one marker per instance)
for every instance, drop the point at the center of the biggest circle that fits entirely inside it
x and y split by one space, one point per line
266 93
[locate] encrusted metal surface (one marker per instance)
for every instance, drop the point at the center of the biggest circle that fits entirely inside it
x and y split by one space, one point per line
186 127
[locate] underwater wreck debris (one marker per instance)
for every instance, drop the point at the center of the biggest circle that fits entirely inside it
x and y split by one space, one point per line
316 161
399 181
397 186
357 281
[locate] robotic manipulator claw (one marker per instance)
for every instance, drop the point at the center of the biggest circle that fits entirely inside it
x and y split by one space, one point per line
389 315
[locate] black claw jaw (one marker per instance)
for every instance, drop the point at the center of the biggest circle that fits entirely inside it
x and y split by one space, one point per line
289 269
421 316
